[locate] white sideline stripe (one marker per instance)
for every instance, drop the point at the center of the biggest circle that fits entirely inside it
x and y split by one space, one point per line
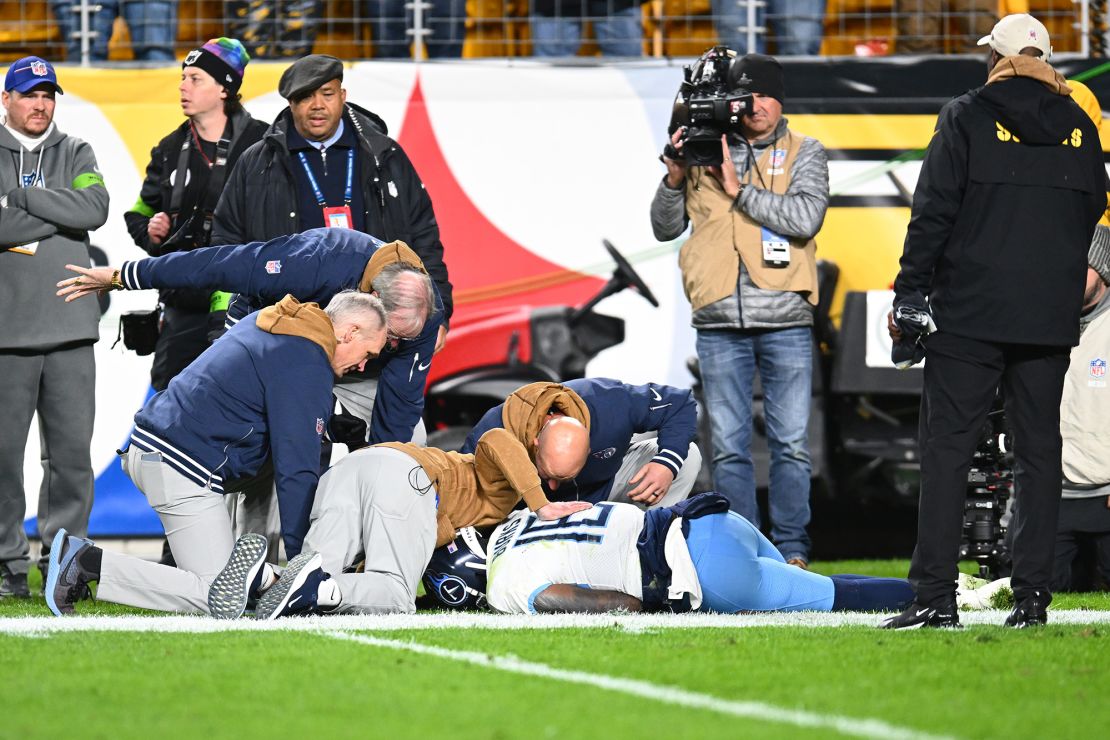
462 620
872 728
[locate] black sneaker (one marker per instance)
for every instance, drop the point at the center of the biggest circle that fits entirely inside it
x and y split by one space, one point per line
1032 611
938 617
13 585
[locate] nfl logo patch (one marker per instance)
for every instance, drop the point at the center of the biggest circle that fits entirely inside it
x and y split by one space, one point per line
319 426
38 69
778 157
273 267
1097 368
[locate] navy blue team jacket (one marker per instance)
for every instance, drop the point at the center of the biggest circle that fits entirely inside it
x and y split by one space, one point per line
618 411
250 395
311 266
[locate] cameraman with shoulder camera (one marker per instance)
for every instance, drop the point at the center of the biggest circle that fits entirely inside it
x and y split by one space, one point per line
749 270
1010 190
186 174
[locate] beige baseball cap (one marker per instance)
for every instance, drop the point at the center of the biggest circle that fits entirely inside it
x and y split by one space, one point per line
1015 32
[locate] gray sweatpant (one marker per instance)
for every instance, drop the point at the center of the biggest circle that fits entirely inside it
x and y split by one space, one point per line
259 514
61 386
378 502
639 455
198 527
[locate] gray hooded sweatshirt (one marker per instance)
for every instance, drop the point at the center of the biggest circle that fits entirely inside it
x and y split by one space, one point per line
64 200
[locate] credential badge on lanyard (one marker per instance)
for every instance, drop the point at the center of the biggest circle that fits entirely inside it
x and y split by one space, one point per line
335 217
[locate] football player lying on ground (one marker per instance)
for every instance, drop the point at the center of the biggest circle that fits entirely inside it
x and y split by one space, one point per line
314 266
246 416
696 555
390 505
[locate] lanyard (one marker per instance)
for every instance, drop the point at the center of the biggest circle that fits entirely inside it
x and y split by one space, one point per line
316 187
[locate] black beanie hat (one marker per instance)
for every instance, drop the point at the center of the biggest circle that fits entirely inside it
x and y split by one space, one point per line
758 73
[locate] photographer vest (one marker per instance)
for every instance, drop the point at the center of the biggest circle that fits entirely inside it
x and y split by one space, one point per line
723 236
1085 404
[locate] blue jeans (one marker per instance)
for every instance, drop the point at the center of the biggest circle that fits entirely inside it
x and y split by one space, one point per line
798 25
740 570
784 359
151 23
389 21
620 34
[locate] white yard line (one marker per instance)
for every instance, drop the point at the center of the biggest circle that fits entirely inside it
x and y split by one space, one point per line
859 727
457 620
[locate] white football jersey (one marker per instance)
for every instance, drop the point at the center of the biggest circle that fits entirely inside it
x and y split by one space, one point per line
596 547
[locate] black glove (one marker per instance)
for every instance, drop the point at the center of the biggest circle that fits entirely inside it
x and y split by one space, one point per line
912 317
346 428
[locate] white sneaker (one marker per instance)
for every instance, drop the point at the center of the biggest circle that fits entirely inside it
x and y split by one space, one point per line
980 596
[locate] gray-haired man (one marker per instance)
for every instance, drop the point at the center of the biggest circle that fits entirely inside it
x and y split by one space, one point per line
205 436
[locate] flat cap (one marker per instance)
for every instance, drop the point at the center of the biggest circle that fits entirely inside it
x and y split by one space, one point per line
308 73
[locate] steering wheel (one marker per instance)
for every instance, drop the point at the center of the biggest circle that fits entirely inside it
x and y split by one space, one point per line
627 275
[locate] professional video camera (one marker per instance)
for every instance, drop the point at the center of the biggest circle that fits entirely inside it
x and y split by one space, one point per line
710 103
990 482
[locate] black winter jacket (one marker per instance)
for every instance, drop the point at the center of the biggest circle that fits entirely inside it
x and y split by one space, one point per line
1010 191
157 190
260 200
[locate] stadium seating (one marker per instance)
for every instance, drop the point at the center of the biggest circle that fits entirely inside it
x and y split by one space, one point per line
499 28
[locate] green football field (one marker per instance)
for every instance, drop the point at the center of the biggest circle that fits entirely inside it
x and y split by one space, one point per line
115 672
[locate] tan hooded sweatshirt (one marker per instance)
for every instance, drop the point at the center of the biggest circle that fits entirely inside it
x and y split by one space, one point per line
290 317
478 490
386 255
525 411
1023 66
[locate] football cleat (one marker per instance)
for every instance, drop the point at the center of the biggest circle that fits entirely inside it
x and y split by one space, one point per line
294 594
916 616
240 579
66 581
1032 611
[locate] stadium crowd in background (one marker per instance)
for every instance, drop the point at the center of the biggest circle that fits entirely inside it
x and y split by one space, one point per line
798 25
391 22
753 308
152 25
557 27
922 24
1017 148
51 196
